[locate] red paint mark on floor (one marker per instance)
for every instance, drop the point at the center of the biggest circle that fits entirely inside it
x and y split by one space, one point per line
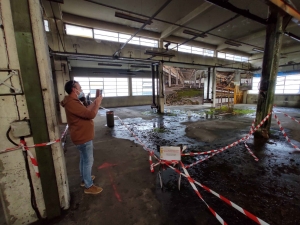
105 165
114 187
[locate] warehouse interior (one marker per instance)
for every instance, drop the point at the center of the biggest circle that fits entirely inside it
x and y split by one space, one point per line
204 76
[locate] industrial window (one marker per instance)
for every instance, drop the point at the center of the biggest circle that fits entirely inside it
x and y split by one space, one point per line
112 87
79 31
208 52
289 84
118 37
235 58
171 46
142 86
106 35
185 48
198 51
46 25
189 49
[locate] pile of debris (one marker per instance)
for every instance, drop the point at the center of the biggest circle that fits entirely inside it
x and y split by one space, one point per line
174 99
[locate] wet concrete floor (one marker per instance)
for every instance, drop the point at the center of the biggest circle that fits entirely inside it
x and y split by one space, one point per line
268 188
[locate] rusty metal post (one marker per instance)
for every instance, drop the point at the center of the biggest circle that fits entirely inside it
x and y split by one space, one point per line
274 34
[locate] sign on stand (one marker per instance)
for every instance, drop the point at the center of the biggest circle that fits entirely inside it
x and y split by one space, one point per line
170 153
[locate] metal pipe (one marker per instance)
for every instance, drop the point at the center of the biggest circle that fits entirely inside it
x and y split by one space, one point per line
142 27
93 56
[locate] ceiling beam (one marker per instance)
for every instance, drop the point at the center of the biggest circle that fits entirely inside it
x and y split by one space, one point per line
289 9
243 12
252 36
185 20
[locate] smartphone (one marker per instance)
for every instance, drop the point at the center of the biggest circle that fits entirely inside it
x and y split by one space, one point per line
98 92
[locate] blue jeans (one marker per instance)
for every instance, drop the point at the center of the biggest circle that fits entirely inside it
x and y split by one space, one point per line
86 162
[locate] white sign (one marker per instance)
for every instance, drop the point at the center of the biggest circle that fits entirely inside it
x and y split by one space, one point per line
170 153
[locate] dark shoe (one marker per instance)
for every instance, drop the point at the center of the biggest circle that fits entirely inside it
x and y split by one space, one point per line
82 183
93 190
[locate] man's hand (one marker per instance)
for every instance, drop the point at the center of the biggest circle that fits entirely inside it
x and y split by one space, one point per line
98 100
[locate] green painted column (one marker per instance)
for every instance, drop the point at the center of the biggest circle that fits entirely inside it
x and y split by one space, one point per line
33 94
273 43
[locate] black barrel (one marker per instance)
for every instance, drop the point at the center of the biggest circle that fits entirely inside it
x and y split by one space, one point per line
110 118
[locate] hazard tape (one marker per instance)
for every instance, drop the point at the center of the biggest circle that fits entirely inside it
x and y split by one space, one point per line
191 181
247 147
232 204
24 147
33 160
251 153
284 134
233 144
292 118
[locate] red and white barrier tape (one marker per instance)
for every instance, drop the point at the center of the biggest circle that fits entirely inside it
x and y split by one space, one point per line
191 181
284 134
233 144
240 209
24 147
251 153
33 160
292 118
247 147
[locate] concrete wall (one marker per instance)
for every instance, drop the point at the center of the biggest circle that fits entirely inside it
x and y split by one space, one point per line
14 184
126 101
279 100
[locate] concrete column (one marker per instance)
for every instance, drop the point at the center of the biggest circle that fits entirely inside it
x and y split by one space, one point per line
269 68
170 75
28 26
130 86
47 85
214 87
14 184
161 87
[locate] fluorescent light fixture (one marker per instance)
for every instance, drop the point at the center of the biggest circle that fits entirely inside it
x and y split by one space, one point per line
258 50
140 66
295 37
156 53
233 43
109 64
127 73
101 72
194 33
132 18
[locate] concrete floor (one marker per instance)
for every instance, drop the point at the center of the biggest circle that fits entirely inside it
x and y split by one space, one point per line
268 188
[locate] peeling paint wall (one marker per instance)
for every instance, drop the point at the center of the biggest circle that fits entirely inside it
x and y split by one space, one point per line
14 184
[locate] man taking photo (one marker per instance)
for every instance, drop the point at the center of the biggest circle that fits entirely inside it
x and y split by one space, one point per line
81 127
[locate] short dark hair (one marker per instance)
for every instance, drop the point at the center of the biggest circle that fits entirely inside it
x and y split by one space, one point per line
69 85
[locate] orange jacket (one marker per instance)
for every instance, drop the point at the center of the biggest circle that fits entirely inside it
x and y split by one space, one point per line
80 120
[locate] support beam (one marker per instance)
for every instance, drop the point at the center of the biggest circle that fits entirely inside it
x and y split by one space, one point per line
214 87
35 104
269 69
227 5
287 8
185 20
